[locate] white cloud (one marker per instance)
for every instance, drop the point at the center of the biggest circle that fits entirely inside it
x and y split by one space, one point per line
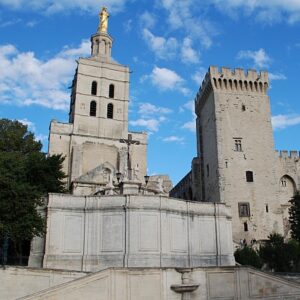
30 125
199 75
185 15
283 121
260 58
162 47
190 125
166 79
31 24
57 6
151 116
173 138
277 76
188 54
267 11
127 25
147 19
41 137
27 80
148 109
11 22
149 124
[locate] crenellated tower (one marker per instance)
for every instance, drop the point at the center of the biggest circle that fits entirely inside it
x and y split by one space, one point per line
236 162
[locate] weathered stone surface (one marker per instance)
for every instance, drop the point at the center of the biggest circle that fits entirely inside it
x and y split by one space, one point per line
239 283
94 233
18 282
234 135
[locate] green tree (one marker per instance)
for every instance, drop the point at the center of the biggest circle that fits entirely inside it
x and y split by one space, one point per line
26 174
248 256
278 255
294 216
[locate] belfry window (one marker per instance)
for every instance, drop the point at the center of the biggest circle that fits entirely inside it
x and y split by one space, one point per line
283 182
94 88
111 93
110 111
93 108
238 145
249 176
244 209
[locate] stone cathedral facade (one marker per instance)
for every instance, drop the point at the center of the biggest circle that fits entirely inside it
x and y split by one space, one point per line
236 163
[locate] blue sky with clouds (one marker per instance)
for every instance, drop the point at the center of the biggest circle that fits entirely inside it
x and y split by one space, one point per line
168 45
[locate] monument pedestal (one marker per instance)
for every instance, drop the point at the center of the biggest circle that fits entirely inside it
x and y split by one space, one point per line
130 187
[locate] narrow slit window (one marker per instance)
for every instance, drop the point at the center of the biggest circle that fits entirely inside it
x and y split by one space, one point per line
110 111
249 176
94 88
245 226
207 170
111 91
93 108
267 208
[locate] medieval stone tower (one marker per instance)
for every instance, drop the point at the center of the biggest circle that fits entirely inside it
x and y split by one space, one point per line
235 147
93 140
236 163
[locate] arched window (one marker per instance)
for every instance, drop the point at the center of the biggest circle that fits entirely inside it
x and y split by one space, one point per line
93 108
94 88
249 176
110 111
111 91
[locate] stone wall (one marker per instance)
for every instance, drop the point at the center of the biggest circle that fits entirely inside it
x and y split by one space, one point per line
20 281
162 284
94 233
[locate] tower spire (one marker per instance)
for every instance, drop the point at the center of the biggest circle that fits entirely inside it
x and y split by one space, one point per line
101 40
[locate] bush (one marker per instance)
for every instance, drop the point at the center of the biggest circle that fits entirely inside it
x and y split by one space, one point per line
248 256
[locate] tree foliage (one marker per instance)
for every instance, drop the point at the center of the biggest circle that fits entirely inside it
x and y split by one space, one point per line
294 217
278 255
26 174
248 256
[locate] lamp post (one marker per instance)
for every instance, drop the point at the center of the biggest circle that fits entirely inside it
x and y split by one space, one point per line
118 174
146 179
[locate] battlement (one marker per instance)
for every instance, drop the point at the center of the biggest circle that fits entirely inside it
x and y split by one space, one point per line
234 80
288 154
238 74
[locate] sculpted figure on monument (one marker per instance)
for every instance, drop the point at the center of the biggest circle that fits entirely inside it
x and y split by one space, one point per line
104 15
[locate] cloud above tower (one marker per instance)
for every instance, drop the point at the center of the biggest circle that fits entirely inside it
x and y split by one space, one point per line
27 80
57 6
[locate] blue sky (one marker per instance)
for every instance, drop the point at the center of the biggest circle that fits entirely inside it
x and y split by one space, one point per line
168 45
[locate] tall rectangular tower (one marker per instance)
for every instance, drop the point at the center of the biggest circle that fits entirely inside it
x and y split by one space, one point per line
93 140
236 150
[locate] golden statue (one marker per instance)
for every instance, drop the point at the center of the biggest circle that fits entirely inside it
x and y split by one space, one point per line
103 20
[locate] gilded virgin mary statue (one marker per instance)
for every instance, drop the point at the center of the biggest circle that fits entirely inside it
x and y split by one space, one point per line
104 15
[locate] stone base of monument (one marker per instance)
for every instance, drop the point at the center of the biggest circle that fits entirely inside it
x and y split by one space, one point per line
130 187
91 233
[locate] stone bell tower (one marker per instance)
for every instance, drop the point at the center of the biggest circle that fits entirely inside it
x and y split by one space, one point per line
100 89
98 121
